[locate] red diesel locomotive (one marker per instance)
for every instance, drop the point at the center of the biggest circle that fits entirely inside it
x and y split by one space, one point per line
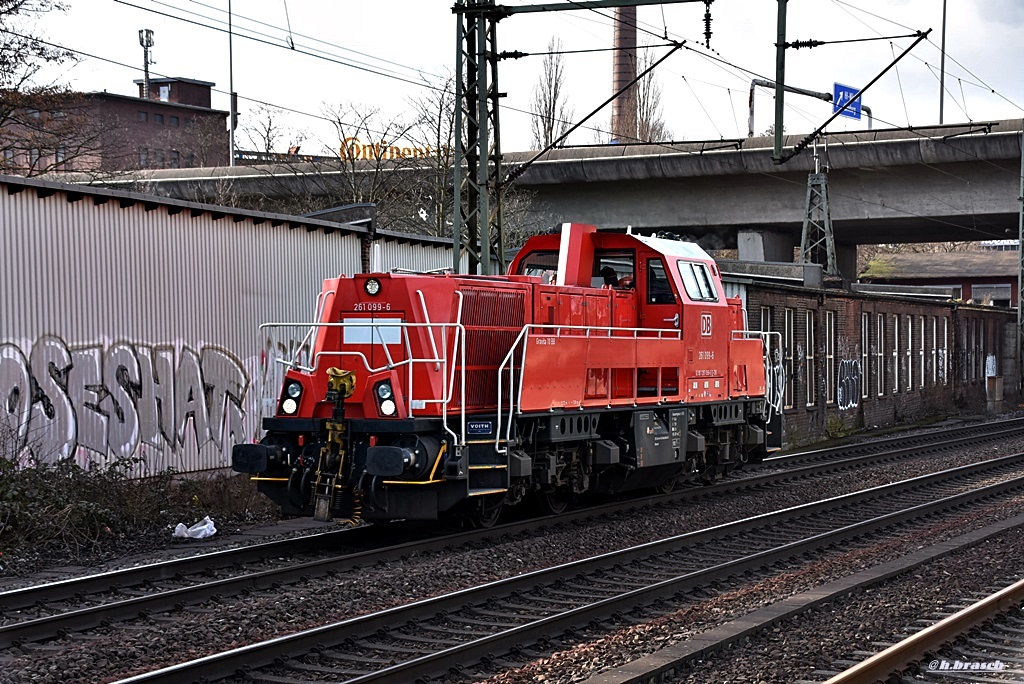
602 363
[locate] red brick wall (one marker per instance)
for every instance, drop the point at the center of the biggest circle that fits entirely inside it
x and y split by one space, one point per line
975 346
198 137
181 92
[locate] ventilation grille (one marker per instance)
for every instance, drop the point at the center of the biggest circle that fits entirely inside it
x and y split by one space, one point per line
493 319
494 308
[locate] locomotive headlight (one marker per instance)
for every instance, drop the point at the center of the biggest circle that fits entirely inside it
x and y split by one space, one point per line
289 406
387 407
372 287
293 390
384 390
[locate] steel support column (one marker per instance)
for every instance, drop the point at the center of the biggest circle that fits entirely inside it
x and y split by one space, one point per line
478 171
1020 268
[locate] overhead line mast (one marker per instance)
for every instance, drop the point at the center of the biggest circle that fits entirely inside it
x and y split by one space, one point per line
478 176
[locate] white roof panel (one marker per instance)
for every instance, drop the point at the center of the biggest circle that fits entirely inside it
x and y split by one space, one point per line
677 248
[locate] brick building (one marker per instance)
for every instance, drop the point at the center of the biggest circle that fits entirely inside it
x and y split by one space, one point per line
854 360
174 127
986 276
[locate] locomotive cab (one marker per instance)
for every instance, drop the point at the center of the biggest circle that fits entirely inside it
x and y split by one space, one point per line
603 362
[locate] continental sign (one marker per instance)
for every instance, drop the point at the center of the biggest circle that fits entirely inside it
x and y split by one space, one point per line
352 148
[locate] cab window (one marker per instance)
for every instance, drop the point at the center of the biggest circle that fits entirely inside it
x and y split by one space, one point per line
540 264
659 290
613 269
698 282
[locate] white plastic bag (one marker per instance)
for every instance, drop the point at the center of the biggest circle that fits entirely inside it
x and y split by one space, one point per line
202 529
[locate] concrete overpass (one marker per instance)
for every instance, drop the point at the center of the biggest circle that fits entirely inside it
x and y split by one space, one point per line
927 185
959 182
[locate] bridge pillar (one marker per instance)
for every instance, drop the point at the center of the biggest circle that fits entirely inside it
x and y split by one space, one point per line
765 245
846 262
768 245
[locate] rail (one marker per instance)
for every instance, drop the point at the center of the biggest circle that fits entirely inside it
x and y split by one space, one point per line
898 656
508 363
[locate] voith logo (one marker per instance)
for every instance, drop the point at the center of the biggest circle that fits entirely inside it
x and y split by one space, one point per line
705 325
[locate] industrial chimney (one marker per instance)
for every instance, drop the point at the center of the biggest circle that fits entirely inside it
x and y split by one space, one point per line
624 111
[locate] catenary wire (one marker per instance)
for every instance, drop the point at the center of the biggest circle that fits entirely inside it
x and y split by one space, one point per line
319 40
324 57
775 176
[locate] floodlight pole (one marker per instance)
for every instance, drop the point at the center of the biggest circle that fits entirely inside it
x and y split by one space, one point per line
780 79
478 177
1020 267
942 66
231 90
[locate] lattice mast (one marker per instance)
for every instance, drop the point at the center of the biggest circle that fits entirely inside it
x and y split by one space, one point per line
478 174
817 242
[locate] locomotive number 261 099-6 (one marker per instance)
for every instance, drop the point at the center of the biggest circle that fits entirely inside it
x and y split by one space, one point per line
371 306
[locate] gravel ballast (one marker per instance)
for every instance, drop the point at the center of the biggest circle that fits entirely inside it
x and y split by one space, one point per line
114 653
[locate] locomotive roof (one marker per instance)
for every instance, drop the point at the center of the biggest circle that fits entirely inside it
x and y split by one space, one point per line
676 248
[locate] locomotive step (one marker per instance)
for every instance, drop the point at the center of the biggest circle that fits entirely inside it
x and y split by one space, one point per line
485 492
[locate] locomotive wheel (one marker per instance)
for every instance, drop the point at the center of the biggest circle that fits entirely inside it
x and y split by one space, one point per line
488 511
553 503
667 486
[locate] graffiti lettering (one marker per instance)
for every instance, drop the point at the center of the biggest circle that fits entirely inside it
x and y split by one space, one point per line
116 400
848 395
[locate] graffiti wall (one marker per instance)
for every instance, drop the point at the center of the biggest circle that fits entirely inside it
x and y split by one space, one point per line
111 401
848 390
130 329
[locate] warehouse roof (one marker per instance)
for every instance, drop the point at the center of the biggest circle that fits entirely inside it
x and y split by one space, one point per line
75 192
942 265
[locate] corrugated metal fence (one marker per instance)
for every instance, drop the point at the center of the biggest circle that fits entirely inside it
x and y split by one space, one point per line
129 324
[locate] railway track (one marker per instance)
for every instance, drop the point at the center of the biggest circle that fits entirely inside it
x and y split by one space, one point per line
91 601
436 636
981 641
49 610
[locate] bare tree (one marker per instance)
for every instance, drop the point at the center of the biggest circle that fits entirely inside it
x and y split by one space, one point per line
22 54
370 162
265 128
650 124
434 132
49 129
375 166
404 168
42 127
551 113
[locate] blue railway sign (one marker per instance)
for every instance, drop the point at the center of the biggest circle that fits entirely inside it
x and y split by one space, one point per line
843 94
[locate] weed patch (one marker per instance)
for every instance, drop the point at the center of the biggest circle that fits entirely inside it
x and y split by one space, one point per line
66 512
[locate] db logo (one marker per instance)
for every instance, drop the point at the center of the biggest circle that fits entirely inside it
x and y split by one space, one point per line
705 325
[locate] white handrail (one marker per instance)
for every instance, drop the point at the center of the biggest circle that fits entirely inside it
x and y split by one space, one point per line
318 310
439 360
774 373
662 333
426 317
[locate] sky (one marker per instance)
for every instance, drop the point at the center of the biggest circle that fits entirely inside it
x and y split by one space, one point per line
378 53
